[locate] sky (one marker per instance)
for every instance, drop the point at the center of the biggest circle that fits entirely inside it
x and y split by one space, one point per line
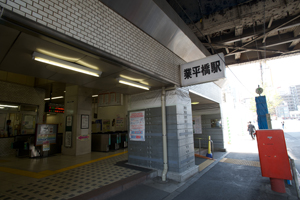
282 72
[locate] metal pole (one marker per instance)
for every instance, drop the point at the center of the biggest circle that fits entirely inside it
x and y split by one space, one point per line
199 145
212 148
295 175
164 135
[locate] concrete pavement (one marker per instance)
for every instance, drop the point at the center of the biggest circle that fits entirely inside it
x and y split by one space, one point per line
227 179
234 175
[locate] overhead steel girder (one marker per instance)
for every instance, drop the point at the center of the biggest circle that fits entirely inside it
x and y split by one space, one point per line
270 42
220 46
249 32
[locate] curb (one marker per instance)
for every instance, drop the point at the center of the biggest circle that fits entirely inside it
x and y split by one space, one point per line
116 187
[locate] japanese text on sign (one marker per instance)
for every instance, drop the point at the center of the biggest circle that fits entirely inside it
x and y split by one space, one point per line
137 126
213 67
208 69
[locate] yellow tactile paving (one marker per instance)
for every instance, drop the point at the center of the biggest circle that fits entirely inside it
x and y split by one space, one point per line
241 162
49 172
205 164
22 172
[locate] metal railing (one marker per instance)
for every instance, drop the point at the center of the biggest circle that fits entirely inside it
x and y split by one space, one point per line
296 176
211 144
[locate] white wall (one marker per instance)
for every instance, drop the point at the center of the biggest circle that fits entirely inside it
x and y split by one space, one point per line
56 119
111 112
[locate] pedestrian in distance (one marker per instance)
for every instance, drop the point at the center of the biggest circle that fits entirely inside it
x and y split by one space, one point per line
251 129
9 128
282 123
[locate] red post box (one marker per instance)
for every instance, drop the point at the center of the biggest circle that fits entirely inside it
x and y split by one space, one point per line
274 160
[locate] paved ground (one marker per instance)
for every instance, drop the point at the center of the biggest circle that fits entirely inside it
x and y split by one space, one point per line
61 177
224 180
234 175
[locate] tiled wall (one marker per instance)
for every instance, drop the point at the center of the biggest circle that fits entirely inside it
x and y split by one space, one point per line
92 22
16 93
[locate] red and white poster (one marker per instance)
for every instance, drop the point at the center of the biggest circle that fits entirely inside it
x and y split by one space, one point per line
137 126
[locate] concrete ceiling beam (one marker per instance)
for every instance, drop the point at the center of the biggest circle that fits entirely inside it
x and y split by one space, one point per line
237 56
296 33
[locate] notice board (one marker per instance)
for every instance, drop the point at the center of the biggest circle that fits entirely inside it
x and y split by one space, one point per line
137 126
46 132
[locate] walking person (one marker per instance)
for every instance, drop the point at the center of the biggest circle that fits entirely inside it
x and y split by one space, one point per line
282 123
251 129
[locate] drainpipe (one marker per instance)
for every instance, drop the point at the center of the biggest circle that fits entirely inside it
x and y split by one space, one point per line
164 134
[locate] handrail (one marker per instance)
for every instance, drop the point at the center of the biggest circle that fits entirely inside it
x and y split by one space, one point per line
295 176
212 145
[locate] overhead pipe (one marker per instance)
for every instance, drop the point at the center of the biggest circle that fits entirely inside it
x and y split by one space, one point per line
164 135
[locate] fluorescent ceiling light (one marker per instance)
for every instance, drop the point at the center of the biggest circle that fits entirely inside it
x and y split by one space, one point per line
8 106
64 64
132 83
96 95
195 103
59 97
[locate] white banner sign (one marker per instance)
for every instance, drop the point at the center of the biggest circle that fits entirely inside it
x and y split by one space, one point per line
137 126
208 69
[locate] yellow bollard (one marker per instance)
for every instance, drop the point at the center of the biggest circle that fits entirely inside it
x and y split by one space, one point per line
209 154
209 147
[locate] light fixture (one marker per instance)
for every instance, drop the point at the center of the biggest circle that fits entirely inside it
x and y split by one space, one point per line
59 97
96 95
1 107
195 103
134 84
8 106
64 64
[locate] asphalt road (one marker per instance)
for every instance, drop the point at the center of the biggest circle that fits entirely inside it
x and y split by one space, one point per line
292 138
293 145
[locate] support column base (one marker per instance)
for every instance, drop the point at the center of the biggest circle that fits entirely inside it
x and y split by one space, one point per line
180 177
277 185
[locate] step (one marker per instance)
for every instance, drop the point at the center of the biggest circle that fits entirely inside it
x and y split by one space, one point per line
117 187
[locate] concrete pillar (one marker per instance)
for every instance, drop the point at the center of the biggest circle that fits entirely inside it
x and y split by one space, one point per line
78 102
180 144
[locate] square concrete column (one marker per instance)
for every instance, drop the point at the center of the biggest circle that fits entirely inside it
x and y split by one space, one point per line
179 125
78 104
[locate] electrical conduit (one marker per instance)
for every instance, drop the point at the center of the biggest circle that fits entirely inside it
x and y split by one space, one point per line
164 134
